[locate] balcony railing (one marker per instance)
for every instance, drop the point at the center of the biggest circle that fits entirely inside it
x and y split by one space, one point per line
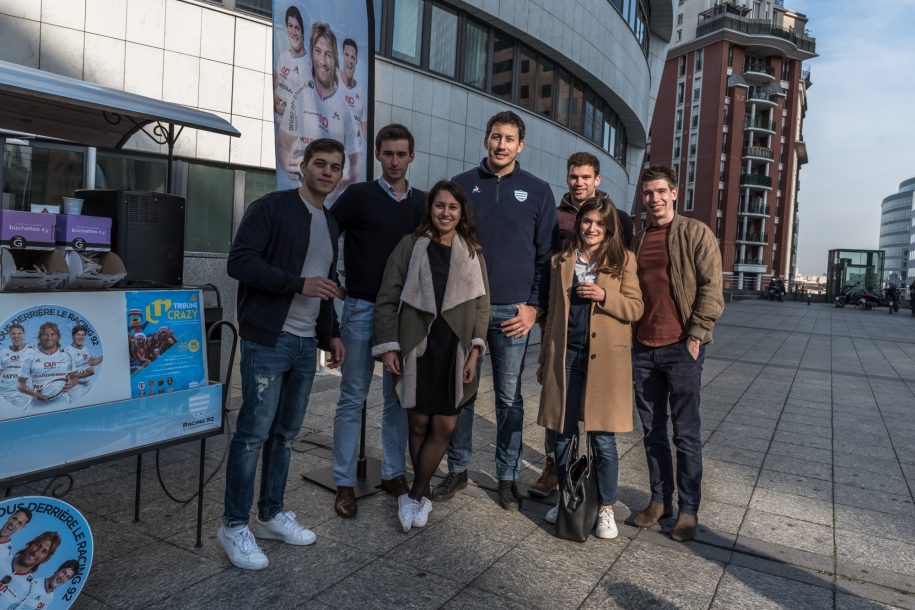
759 68
762 96
759 27
755 208
758 123
752 236
755 180
757 151
746 260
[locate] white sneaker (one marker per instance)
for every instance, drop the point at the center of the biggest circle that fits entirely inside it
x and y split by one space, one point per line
606 525
406 509
552 515
241 548
284 527
421 518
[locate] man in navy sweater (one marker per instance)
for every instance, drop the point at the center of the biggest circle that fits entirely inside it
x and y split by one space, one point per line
516 220
284 257
373 217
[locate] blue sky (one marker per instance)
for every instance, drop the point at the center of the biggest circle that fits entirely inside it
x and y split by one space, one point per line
860 126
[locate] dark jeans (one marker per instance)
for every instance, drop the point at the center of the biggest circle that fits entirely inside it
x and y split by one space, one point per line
275 383
603 444
661 376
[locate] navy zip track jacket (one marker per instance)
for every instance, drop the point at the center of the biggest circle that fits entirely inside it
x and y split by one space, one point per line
518 230
266 258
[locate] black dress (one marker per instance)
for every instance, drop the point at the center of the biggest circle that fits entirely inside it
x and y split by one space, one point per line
436 368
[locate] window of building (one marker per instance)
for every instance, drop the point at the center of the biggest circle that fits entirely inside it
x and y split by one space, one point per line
679 35
443 41
786 69
682 65
589 115
128 173
691 172
676 146
597 133
527 77
679 122
679 18
681 92
694 120
545 87
688 205
576 105
730 56
476 41
210 200
408 31
379 23
699 60
564 98
39 174
258 7
503 61
258 184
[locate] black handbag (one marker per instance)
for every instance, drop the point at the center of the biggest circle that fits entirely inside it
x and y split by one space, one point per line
578 502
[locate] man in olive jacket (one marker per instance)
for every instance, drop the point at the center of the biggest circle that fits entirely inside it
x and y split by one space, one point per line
679 268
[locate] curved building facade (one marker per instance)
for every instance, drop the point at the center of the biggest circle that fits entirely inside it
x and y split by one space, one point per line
897 236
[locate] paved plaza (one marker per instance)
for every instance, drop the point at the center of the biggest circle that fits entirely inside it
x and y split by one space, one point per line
809 431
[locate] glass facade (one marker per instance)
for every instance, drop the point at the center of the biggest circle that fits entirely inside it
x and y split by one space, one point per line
862 268
39 174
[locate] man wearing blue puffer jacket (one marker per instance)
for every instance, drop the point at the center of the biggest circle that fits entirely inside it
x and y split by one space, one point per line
517 227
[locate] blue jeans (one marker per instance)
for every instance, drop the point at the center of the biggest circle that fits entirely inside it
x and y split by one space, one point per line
507 358
356 328
275 383
603 444
661 376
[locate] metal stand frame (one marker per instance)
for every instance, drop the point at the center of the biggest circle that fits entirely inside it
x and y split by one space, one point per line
368 470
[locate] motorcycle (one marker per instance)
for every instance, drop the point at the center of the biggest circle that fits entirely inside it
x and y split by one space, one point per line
891 296
775 291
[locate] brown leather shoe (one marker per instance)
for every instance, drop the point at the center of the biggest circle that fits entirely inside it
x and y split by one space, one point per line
396 486
685 528
650 515
345 503
547 483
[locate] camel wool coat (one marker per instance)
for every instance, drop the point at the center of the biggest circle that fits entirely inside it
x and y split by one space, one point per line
608 387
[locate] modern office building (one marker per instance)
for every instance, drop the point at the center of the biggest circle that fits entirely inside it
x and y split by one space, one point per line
583 74
729 119
897 234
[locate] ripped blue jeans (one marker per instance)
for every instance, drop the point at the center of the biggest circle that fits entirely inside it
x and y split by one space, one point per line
275 384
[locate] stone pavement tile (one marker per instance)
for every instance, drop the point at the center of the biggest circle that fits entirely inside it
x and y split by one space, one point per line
147 575
87 602
785 554
883 525
804 468
464 544
878 501
745 431
852 460
805 429
853 595
823 418
853 436
782 570
727 491
376 526
725 453
651 576
821 403
779 529
740 441
889 482
801 452
863 549
471 598
390 584
860 448
792 438
233 589
111 540
878 576
755 418
715 470
744 588
796 507
796 485
720 517
909 471
162 518
562 577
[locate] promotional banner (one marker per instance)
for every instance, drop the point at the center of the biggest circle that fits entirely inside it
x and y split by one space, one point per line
321 65
45 553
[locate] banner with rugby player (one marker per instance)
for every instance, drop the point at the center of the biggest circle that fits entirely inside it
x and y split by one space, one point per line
323 55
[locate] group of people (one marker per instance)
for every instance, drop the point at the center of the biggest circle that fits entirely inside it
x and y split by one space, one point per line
145 349
20 586
48 374
317 95
434 281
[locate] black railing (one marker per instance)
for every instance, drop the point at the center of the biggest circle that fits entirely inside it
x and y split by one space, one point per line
753 236
758 123
764 96
758 67
761 27
746 260
754 208
757 151
755 180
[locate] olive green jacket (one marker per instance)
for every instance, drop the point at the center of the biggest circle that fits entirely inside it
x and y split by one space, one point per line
695 274
405 309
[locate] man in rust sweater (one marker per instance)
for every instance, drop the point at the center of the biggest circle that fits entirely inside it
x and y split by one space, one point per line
679 268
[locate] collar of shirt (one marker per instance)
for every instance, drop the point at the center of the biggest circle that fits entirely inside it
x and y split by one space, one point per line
386 186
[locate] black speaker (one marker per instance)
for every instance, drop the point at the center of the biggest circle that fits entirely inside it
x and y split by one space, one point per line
147 231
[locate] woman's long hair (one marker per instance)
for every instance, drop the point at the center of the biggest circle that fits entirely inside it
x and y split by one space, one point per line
466 227
610 256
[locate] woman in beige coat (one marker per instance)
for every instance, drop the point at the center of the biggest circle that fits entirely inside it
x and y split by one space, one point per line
585 357
431 316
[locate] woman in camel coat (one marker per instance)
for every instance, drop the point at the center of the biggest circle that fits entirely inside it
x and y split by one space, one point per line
585 356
